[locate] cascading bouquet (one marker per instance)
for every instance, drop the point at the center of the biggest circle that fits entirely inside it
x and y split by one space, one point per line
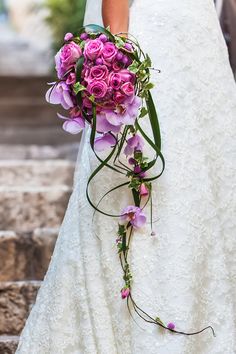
104 81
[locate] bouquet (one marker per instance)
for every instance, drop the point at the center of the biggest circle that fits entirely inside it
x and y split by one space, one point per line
104 82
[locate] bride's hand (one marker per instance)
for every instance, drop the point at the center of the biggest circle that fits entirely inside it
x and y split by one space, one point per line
115 13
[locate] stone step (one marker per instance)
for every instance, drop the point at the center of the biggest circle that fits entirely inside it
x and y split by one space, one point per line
27 208
38 152
8 344
39 135
26 86
27 112
36 173
26 256
16 300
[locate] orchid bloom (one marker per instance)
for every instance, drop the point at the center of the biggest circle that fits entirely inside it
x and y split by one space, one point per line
126 112
136 142
60 94
104 142
134 215
73 125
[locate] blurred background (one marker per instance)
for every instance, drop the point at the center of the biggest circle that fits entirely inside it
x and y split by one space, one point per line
36 156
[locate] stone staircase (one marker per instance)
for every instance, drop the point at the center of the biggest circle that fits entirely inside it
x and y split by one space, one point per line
36 175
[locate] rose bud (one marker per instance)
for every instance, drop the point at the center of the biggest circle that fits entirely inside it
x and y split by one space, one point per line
143 190
125 292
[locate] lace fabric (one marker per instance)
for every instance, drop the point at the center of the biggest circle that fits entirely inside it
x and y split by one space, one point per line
187 273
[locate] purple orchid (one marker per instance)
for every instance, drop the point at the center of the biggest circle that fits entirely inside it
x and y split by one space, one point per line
134 143
104 126
104 142
60 94
134 215
126 112
73 125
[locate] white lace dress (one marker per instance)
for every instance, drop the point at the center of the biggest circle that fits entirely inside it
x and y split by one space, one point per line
187 273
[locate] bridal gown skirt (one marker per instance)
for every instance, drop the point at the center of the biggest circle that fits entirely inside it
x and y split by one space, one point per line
186 274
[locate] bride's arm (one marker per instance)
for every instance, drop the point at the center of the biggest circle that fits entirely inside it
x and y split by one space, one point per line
115 13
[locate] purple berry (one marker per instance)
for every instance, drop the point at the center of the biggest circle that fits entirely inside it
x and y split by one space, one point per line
128 46
131 161
119 56
103 38
125 59
171 325
137 169
142 174
84 36
99 61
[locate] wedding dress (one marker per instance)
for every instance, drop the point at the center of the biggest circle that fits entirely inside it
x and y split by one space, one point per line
187 272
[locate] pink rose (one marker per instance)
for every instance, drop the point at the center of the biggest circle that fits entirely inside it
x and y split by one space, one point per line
97 88
71 79
127 75
99 72
69 54
119 97
114 80
116 66
93 48
109 52
128 88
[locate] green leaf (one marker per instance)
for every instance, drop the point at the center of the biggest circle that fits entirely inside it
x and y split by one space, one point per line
149 86
143 112
78 87
153 120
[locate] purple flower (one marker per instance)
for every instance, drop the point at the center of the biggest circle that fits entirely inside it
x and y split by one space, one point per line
127 75
103 125
84 36
134 215
128 88
99 61
73 125
71 79
119 56
103 37
126 112
68 36
70 53
98 72
125 60
109 52
119 97
125 292
134 143
60 94
97 88
66 58
115 80
93 48
171 325
137 169
128 46
104 142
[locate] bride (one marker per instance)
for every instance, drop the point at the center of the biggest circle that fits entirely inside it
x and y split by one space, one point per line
186 273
